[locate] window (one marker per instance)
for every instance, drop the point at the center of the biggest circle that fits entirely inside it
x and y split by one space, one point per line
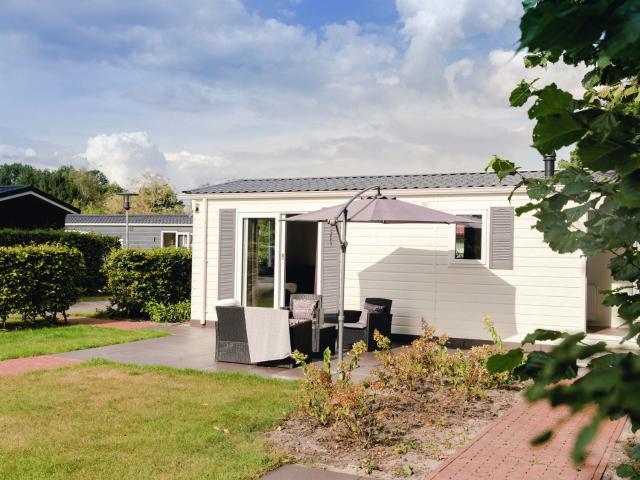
469 240
175 239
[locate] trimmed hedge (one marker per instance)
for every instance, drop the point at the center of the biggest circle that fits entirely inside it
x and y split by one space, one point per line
94 248
137 277
39 280
169 313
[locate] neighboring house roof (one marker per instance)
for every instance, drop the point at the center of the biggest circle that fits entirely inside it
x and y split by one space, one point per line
156 219
333 184
8 192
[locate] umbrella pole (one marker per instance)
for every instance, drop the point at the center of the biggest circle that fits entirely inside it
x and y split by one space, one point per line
343 252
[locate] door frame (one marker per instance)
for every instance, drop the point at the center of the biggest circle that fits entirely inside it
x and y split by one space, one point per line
241 250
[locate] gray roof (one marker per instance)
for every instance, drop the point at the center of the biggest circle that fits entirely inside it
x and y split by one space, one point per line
334 184
159 219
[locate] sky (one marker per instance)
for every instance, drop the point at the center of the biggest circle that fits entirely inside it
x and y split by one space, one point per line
203 91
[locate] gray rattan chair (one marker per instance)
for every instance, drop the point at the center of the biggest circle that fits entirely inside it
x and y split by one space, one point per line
354 331
318 319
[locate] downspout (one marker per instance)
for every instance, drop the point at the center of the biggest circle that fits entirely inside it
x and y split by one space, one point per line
205 269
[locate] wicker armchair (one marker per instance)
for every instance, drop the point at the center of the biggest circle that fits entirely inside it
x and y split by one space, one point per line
232 344
318 315
355 331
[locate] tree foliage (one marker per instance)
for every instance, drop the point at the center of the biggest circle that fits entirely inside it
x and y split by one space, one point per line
592 205
155 195
85 189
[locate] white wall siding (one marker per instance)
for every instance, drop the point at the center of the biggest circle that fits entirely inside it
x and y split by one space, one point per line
411 264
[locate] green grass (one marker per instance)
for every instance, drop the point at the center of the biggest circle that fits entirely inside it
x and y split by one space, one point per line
111 421
55 339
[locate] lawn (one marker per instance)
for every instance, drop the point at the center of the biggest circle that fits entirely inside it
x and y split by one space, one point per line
107 420
55 339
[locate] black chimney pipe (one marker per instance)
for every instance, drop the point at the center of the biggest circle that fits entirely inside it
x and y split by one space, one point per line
549 164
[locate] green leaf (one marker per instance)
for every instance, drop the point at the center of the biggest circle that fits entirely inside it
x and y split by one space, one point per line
626 471
501 167
544 437
540 335
634 453
553 132
604 124
583 439
520 94
504 362
630 190
551 100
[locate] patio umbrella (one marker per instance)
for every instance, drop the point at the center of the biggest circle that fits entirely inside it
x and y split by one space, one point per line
373 209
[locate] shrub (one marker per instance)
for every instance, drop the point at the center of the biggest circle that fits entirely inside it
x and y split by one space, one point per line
169 313
427 361
340 403
39 280
94 248
137 277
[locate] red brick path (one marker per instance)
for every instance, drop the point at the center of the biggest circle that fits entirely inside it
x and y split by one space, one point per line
29 364
106 322
503 450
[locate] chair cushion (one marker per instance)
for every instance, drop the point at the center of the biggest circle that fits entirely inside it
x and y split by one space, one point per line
369 308
227 302
303 309
356 325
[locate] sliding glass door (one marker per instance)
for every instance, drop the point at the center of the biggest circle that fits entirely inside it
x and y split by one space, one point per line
259 259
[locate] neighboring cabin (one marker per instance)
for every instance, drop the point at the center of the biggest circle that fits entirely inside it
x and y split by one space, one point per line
448 275
145 231
23 206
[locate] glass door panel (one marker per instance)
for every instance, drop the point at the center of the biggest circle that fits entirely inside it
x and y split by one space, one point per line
259 261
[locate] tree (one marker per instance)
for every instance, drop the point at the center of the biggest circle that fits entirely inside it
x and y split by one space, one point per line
85 189
155 195
593 205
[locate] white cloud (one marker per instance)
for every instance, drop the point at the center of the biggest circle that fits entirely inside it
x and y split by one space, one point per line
263 97
124 156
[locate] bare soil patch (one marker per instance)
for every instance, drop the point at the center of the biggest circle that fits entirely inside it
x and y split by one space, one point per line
620 453
422 430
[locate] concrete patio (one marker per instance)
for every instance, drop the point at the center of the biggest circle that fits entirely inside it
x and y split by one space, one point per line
192 347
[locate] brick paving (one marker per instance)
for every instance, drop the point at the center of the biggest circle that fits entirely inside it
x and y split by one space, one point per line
30 364
503 451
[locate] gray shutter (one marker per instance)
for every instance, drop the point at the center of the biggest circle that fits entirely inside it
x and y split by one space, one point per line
330 268
501 238
226 253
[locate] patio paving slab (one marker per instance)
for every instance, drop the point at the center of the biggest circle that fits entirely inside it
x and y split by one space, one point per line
191 347
42 362
503 451
297 472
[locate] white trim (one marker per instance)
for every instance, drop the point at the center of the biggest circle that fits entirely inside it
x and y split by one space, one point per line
205 260
176 233
240 272
404 192
52 202
483 261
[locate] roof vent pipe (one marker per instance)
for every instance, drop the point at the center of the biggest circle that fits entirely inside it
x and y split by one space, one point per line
549 164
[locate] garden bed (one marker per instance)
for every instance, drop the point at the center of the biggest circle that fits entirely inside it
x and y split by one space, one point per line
434 428
422 404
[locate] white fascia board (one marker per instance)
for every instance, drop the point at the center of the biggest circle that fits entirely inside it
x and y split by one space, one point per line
417 192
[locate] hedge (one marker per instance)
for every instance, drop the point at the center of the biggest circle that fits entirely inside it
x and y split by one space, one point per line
94 248
137 277
169 313
39 280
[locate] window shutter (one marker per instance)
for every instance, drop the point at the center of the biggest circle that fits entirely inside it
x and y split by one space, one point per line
501 240
226 254
330 268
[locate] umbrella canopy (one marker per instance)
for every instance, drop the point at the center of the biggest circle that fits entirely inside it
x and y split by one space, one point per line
375 209
381 209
